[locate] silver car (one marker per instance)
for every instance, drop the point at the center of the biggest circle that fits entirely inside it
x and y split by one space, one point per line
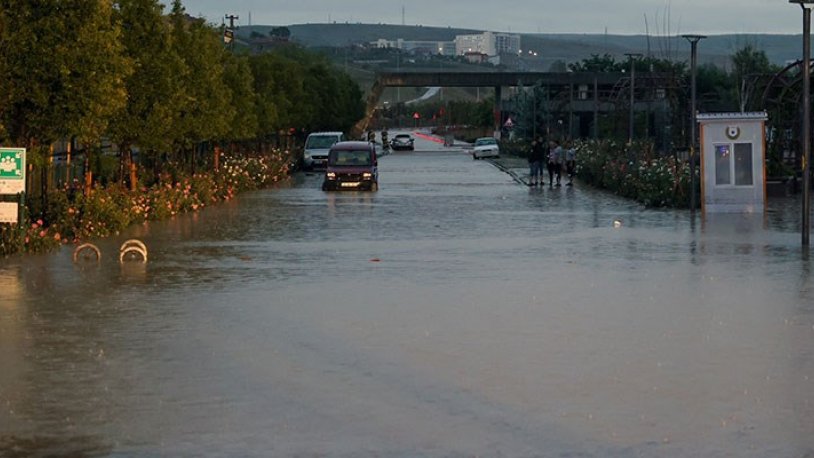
485 147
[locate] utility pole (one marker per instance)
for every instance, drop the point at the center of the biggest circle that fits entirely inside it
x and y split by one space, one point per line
806 108
230 32
693 39
232 18
632 56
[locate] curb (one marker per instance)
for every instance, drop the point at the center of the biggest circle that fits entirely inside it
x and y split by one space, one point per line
508 171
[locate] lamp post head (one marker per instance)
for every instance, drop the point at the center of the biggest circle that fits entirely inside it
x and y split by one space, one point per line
696 38
803 3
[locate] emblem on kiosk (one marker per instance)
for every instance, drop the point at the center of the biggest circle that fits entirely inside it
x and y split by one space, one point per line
733 132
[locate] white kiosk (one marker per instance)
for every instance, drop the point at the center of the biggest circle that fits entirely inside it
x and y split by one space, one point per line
733 162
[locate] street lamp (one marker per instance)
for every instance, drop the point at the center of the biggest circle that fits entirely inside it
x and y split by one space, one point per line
632 56
806 5
693 39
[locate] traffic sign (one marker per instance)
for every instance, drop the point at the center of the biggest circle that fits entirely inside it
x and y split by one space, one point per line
416 115
12 170
228 36
509 123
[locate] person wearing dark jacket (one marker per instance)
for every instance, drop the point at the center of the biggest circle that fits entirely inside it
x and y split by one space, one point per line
536 157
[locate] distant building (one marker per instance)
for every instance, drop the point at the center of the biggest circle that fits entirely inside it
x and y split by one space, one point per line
475 57
489 43
446 48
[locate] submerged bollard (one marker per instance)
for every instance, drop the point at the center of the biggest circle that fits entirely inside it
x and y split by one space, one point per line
85 247
133 246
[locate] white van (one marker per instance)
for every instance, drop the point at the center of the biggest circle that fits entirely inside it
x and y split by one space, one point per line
317 146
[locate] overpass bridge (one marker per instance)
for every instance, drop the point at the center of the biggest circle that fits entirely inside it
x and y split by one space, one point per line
585 92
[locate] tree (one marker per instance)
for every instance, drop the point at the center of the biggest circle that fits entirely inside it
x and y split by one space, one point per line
239 80
204 112
153 91
282 33
605 63
748 63
65 70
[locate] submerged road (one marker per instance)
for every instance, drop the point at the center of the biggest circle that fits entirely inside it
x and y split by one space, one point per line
452 313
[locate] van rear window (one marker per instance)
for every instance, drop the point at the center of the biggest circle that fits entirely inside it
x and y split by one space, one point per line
350 158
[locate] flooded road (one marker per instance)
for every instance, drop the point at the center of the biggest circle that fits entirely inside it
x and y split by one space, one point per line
452 313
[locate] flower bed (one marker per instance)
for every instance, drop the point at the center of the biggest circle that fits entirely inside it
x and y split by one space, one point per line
72 216
634 172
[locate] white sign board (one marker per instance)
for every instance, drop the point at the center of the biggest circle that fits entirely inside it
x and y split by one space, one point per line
8 212
12 170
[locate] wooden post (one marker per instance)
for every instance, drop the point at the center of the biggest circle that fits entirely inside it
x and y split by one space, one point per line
133 171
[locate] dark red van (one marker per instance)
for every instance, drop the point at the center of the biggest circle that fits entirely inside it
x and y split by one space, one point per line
352 166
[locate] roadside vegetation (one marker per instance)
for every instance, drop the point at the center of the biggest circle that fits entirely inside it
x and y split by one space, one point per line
132 113
649 170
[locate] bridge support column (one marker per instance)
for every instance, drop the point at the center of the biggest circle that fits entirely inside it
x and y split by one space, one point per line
498 109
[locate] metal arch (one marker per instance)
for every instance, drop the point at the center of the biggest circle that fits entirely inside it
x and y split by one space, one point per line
133 246
84 247
782 82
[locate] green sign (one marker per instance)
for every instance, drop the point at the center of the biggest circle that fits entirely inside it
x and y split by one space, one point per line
12 170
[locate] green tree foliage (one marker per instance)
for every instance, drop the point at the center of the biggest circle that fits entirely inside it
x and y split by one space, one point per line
239 80
153 90
204 113
748 64
299 89
65 70
715 88
605 63
86 69
280 32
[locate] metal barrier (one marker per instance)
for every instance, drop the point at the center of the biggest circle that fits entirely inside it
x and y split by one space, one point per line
133 246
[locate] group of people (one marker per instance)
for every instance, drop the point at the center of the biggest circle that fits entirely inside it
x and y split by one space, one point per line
554 156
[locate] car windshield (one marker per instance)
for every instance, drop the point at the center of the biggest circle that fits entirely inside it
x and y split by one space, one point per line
320 141
402 137
349 158
485 141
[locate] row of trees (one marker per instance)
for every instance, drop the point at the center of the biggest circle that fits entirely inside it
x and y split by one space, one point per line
719 89
663 81
127 72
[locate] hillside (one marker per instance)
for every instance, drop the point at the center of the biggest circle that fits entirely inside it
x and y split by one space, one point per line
550 47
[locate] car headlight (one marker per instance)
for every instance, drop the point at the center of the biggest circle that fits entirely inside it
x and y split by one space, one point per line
367 175
331 175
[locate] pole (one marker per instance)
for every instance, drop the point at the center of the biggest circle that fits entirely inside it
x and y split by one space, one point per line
596 107
806 229
632 57
693 39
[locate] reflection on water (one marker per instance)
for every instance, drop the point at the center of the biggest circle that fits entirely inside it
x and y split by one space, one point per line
451 313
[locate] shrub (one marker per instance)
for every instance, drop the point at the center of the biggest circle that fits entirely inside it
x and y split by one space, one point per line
73 216
634 172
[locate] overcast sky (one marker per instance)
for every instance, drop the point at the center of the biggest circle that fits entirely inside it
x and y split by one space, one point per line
529 16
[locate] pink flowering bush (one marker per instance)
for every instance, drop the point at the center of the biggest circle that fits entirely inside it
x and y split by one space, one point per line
634 172
72 216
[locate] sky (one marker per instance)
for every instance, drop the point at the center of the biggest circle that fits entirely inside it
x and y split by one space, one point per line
624 17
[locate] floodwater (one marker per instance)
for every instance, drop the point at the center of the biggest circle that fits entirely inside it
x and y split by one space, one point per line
452 313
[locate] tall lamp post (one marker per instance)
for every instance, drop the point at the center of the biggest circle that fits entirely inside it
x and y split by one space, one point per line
632 57
806 5
693 39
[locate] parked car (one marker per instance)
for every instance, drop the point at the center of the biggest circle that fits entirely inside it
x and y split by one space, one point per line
485 147
403 141
352 166
317 146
